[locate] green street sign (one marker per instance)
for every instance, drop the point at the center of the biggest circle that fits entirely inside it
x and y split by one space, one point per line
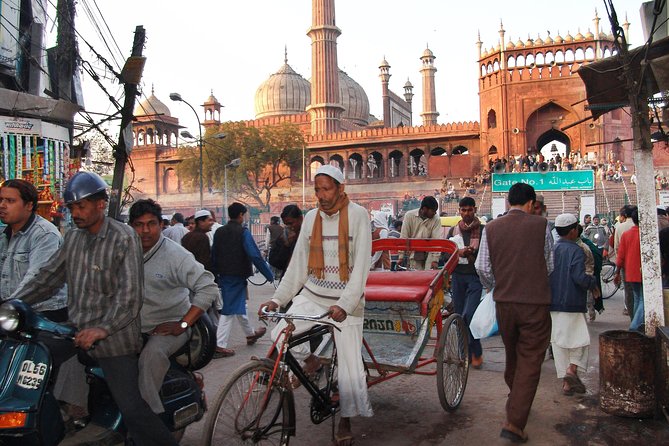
549 181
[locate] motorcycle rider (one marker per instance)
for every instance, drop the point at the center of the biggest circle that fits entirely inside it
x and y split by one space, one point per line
171 275
101 262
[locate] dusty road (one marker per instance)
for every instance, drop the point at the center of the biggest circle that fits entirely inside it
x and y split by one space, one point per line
407 409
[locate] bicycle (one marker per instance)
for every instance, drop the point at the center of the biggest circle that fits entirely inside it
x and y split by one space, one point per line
609 287
257 406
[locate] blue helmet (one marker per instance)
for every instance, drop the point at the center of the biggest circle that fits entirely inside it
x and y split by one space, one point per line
82 185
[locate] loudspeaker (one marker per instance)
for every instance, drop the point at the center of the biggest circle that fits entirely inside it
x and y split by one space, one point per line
591 125
498 167
532 65
551 63
515 130
543 167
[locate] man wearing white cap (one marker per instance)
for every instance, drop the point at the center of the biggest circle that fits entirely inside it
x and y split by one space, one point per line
329 269
569 286
197 241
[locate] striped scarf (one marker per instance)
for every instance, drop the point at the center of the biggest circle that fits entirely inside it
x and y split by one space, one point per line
316 265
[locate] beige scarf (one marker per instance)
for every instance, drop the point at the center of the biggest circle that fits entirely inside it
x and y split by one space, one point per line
316 265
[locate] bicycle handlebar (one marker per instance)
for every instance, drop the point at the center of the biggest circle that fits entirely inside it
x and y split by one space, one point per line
301 317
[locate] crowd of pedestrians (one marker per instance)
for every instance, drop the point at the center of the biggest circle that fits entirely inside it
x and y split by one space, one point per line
544 277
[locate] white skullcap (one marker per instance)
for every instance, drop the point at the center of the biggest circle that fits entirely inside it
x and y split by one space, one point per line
332 172
202 213
564 220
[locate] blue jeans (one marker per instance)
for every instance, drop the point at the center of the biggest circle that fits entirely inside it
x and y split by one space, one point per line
638 319
466 293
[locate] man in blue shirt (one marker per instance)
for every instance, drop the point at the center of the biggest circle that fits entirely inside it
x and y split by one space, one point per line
232 254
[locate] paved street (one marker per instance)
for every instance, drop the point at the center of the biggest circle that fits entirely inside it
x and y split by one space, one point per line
407 409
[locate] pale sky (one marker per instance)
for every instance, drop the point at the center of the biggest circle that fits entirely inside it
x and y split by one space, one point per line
231 47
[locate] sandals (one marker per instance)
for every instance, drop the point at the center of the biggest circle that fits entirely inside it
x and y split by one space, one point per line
575 384
512 436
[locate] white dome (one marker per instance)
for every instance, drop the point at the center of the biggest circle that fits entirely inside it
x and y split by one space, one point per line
284 93
152 106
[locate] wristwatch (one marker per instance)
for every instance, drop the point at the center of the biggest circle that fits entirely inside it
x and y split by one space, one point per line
183 324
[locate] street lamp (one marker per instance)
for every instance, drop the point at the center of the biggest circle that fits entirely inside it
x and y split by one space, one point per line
177 97
234 163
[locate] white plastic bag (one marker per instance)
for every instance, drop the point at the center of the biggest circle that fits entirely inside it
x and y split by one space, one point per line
484 321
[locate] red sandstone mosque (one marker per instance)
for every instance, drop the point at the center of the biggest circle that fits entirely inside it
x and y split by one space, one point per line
531 102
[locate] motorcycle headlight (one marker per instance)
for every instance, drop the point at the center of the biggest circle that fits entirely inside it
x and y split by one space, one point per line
9 317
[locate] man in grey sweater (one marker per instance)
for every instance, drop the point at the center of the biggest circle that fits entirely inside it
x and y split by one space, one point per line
171 274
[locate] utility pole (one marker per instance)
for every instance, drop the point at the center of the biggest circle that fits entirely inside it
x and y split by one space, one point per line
130 76
637 92
65 49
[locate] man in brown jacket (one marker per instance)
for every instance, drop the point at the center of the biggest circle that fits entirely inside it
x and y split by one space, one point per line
516 258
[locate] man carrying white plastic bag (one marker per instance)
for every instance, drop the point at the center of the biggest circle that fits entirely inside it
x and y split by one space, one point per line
484 322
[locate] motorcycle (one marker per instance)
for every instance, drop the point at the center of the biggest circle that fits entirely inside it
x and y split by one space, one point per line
29 412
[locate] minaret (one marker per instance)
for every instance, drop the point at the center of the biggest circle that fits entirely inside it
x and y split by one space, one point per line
502 46
385 96
408 96
479 44
430 113
325 109
212 111
598 44
626 30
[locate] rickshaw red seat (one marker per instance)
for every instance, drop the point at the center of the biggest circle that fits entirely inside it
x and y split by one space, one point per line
405 286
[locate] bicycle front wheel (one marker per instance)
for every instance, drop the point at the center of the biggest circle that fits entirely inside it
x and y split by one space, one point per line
251 410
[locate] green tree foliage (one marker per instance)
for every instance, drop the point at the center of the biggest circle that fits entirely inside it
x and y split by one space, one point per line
267 156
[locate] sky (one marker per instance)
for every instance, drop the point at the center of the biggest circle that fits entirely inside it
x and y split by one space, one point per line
231 47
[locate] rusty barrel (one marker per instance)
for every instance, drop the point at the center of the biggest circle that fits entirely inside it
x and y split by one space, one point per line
627 374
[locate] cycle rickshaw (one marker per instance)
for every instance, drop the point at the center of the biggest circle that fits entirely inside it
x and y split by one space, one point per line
404 316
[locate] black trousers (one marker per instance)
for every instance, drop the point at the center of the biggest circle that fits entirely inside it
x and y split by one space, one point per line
121 374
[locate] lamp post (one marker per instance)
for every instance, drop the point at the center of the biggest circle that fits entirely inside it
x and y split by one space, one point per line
234 163
177 97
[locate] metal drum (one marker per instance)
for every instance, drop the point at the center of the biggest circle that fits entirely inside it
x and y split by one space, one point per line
627 374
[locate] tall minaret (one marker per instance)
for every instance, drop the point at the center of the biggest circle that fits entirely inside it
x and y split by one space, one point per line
385 95
325 109
429 95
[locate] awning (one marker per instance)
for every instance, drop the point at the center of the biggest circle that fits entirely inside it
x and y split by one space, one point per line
604 80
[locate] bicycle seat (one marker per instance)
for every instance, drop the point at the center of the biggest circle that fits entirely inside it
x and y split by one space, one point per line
392 286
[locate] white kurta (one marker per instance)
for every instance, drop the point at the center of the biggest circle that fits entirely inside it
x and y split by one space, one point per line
570 340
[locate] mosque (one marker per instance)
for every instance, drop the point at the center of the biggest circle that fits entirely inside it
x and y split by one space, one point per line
531 101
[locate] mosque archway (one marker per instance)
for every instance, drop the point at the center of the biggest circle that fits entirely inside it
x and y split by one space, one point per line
395 161
314 165
375 165
553 143
417 163
170 181
354 167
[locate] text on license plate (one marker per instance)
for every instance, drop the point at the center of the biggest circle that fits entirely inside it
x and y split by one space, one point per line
31 374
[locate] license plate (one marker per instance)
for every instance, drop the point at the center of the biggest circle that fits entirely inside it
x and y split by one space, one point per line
31 375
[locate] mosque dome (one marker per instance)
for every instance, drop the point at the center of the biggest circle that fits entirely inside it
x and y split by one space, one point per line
284 93
589 35
578 36
558 38
538 41
152 106
427 53
510 45
520 44
549 40
354 100
288 93
568 37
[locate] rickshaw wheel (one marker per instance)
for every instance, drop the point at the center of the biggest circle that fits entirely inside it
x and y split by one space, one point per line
452 362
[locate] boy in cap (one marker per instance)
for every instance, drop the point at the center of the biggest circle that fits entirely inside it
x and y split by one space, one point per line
569 284
197 241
